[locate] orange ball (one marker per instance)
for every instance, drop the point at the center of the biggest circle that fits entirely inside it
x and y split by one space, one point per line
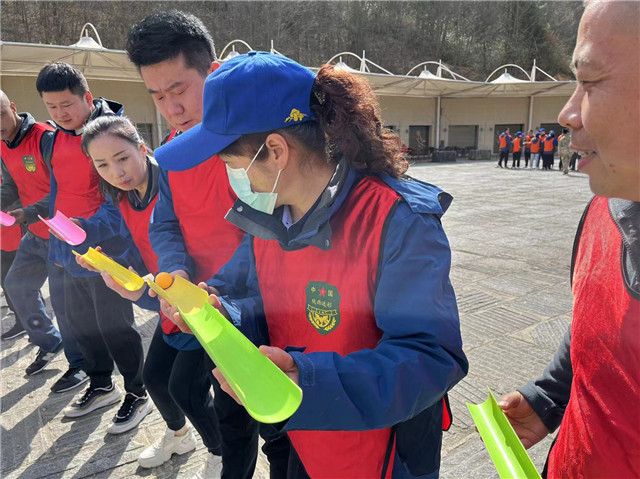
164 280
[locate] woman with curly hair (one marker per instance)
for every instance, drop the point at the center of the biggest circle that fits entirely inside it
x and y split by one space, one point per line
345 262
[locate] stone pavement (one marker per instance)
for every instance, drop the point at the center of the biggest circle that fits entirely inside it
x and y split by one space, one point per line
511 233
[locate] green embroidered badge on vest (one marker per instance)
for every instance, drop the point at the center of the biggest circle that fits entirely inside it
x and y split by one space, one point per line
323 306
29 163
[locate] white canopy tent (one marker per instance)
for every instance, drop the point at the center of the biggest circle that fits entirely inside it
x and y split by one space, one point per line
99 63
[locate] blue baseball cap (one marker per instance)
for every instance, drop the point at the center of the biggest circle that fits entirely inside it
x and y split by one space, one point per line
542 129
250 93
519 133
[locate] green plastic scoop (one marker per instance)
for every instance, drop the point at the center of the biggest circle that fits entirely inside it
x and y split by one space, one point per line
506 450
267 393
119 273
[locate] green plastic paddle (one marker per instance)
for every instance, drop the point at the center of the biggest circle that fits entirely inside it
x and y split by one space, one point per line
268 394
506 450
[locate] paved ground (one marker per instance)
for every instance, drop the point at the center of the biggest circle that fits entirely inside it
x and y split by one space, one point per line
511 233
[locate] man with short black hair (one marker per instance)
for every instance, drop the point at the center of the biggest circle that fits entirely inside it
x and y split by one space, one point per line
101 321
174 53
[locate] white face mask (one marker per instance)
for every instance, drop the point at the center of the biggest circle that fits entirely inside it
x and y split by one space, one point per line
241 185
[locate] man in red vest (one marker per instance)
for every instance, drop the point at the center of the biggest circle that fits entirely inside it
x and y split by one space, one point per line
591 389
26 178
174 53
9 240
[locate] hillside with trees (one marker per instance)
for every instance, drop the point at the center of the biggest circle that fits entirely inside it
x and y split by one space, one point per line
471 37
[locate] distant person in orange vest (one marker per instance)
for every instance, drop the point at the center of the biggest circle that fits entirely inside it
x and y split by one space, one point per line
549 145
504 141
517 150
591 389
536 144
527 148
564 150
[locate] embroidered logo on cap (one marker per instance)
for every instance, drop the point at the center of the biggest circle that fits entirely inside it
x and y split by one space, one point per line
295 115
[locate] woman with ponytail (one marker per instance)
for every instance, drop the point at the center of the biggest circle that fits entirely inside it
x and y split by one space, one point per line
345 261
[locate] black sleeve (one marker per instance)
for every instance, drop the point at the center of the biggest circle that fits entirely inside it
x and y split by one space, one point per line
549 394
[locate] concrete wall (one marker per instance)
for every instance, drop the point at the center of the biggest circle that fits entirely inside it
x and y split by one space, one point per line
137 102
405 112
483 112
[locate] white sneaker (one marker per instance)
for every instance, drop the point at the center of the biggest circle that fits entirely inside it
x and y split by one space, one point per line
92 399
212 468
161 450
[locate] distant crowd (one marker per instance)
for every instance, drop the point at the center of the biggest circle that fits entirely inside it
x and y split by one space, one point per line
537 146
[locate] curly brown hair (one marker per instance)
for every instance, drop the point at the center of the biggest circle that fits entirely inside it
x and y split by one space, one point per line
348 124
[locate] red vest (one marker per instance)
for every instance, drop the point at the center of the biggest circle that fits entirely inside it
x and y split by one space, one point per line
516 145
202 197
138 224
503 141
324 300
600 432
29 171
77 179
548 145
10 236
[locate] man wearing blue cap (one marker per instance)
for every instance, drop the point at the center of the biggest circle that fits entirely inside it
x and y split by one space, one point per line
549 145
517 150
371 338
174 53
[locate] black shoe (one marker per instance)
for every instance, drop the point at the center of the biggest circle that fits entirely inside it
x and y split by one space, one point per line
133 410
73 378
42 359
14 332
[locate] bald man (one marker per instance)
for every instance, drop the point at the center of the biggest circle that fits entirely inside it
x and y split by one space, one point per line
591 389
25 177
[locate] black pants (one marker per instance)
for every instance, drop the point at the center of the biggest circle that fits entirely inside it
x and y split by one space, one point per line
527 157
516 159
6 259
504 155
239 434
547 161
179 386
102 323
572 163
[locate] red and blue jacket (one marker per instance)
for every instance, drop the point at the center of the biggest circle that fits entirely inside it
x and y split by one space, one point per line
416 356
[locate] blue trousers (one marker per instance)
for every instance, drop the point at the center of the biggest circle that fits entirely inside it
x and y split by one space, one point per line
22 284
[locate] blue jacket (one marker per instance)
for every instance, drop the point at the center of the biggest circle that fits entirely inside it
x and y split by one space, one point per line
426 347
165 232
